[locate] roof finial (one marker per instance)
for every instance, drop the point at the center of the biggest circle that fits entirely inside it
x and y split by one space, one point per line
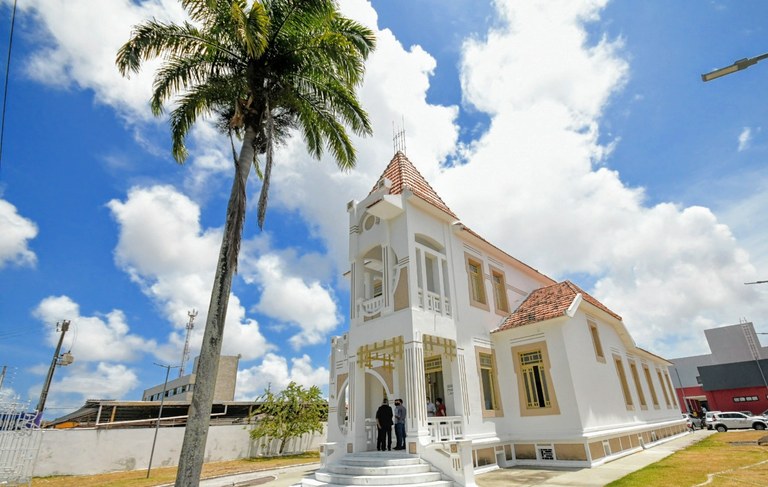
398 137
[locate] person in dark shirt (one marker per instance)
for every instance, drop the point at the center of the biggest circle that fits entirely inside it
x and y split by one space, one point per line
384 424
400 415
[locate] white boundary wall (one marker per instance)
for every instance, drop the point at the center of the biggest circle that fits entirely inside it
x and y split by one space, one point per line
86 451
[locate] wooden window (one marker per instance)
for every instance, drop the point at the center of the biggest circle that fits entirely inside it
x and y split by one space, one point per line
499 291
663 389
536 391
623 379
476 283
489 382
672 394
638 386
535 380
654 397
598 346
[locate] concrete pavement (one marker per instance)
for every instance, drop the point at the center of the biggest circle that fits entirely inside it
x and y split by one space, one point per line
587 477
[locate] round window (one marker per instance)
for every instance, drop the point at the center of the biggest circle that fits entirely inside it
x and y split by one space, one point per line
370 220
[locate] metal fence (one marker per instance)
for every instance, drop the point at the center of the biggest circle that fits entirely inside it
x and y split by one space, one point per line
20 438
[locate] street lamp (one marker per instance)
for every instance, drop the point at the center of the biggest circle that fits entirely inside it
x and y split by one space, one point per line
736 66
160 413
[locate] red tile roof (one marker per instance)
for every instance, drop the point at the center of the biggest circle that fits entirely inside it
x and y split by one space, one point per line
549 302
404 174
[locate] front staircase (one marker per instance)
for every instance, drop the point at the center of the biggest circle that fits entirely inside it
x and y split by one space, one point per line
378 468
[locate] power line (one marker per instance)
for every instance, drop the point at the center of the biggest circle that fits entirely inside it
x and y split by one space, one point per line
5 89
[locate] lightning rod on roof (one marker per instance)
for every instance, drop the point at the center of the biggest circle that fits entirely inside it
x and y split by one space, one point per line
398 137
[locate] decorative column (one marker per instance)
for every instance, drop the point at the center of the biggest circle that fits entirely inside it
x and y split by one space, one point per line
415 390
460 389
356 437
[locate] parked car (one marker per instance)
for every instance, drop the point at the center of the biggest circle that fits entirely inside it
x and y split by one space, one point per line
708 417
688 421
735 420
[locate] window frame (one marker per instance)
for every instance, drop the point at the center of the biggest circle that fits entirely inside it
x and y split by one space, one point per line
500 296
649 379
663 389
476 281
544 370
597 344
638 385
621 372
497 411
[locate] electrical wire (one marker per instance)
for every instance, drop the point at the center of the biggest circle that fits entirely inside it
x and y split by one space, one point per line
5 88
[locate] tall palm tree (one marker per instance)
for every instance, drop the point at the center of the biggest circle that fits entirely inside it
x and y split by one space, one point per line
264 69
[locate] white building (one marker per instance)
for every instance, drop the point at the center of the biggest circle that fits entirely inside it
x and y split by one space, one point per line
180 389
532 371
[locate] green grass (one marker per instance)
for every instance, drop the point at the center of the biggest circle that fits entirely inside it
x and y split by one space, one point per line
726 455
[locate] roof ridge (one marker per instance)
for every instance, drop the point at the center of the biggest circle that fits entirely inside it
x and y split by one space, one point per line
403 173
549 302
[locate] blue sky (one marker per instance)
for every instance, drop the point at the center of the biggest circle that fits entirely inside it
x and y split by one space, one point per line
576 135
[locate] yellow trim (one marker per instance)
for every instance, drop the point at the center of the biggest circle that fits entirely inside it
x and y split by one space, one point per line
497 411
549 386
623 380
476 280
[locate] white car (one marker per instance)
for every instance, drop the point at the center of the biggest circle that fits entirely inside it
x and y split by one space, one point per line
734 420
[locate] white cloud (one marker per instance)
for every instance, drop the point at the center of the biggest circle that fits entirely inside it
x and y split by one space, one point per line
68 55
164 249
91 338
15 236
105 381
291 299
394 92
73 384
670 271
275 372
745 137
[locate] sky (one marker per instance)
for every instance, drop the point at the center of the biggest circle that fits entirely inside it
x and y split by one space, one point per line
576 135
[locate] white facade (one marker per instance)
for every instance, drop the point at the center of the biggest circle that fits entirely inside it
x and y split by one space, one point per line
430 301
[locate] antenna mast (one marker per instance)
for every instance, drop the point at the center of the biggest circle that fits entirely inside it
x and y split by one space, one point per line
398 137
185 354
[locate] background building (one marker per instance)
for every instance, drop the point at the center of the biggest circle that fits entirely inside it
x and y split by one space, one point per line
181 389
731 378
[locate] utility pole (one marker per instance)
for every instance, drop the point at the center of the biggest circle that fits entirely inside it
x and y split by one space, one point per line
185 353
65 359
2 376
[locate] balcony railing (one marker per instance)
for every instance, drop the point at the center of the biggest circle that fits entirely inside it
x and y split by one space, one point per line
370 307
435 303
445 428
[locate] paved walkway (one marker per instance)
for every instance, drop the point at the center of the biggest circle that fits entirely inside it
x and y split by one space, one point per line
508 477
587 477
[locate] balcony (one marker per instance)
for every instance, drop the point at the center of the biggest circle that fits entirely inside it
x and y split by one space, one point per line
369 307
436 303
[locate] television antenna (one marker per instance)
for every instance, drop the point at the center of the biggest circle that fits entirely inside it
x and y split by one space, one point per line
185 353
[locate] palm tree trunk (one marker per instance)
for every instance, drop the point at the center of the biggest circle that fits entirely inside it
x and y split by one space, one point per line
196 433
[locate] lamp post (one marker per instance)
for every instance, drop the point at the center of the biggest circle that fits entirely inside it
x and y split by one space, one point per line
736 66
160 413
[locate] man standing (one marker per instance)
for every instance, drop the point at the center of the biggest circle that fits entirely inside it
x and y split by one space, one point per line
400 415
384 424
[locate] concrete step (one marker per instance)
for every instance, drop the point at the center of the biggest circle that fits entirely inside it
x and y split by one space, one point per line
436 483
381 459
405 479
378 470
